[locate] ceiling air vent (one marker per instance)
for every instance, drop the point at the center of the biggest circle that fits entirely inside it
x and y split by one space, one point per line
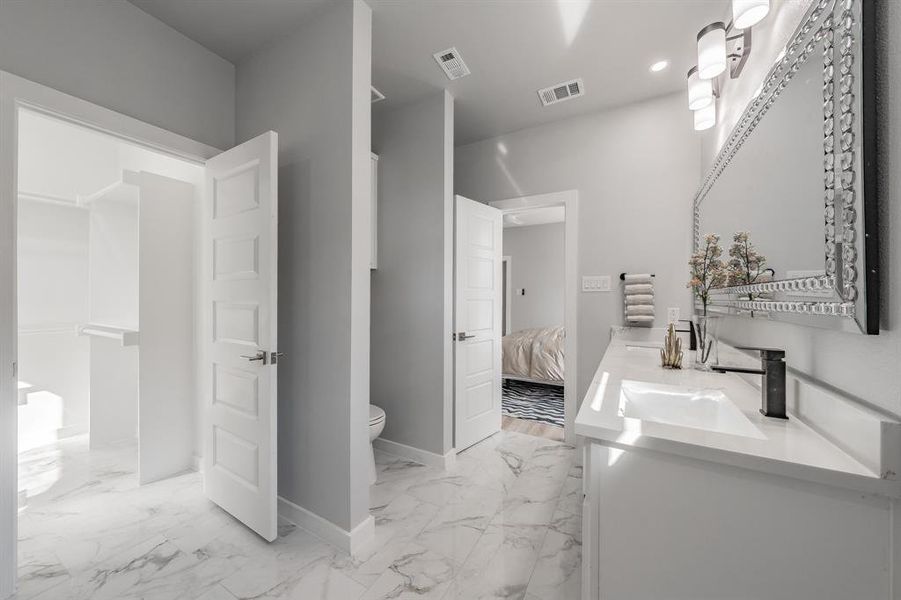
450 62
562 91
375 95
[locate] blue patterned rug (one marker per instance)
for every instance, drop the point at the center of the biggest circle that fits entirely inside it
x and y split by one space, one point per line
533 401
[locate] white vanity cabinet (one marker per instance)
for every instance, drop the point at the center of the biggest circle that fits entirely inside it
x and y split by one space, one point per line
663 526
374 227
688 512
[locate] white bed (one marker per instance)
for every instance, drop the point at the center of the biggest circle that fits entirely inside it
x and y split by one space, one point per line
534 355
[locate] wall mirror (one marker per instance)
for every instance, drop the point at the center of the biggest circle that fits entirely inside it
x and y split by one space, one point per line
797 175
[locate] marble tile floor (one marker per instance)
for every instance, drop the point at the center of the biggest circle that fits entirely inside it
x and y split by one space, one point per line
505 523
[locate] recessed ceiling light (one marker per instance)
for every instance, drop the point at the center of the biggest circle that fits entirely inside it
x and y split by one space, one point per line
659 66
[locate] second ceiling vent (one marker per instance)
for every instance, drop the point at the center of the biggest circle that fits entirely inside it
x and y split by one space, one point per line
562 91
451 63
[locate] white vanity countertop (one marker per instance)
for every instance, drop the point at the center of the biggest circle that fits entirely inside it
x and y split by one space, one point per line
786 447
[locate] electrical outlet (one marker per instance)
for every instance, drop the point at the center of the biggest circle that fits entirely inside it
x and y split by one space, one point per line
672 314
595 283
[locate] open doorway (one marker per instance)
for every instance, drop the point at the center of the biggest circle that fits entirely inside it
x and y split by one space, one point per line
106 262
138 305
533 363
484 354
539 347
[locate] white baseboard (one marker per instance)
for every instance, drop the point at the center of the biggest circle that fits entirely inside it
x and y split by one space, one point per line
363 535
349 541
446 462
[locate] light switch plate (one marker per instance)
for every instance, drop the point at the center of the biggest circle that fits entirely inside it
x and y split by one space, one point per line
595 283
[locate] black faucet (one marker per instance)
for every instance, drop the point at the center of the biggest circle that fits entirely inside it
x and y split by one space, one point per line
692 338
772 367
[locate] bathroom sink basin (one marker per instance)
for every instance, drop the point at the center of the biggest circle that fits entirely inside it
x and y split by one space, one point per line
710 410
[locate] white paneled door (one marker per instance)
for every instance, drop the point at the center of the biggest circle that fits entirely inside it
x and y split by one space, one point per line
477 316
240 359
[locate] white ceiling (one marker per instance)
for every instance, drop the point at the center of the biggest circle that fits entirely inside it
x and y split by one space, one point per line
513 48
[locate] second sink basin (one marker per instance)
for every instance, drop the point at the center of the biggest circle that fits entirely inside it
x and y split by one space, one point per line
673 405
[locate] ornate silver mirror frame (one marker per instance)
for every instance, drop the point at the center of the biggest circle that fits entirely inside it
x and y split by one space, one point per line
842 30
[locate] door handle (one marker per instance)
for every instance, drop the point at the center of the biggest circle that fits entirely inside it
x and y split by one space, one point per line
274 356
261 356
464 336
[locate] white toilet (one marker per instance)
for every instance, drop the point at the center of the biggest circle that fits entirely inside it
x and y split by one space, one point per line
376 425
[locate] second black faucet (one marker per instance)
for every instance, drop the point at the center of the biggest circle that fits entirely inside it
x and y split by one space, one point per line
772 367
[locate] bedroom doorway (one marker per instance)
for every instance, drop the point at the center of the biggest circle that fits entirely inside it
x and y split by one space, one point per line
539 349
532 347
485 310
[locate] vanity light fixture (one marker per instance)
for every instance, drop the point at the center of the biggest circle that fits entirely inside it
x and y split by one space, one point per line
721 47
747 13
659 66
700 91
705 118
712 50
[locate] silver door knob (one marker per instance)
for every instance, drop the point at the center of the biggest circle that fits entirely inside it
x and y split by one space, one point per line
261 356
464 336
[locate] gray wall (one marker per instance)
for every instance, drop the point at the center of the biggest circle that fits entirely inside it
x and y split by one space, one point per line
862 366
411 306
116 55
536 265
312 87
636 169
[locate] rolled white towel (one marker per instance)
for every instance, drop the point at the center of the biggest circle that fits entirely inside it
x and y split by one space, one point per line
640 299
638 278
640 309
639 288
640 319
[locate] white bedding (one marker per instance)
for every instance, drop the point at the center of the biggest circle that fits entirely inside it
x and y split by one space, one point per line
535 354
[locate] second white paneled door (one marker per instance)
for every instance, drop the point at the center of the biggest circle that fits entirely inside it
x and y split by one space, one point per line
240 273
477 321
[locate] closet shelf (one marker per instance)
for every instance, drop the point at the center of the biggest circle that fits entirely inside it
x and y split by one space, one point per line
128 337
124 190
51 199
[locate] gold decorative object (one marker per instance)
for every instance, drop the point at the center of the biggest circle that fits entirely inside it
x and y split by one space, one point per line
671 355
